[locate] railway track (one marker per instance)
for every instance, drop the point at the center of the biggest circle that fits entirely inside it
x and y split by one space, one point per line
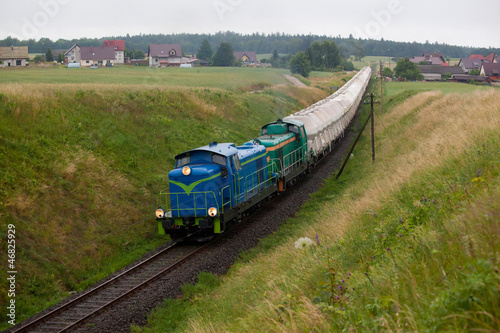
74 313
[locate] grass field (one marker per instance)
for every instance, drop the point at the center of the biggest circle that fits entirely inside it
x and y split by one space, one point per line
206 77
407 244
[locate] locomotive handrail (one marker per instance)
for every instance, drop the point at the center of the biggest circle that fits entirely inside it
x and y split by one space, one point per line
298 159
168 203
267 182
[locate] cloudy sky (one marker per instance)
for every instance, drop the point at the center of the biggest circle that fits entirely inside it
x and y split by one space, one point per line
453 22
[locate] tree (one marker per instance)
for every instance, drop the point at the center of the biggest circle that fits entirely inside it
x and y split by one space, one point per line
60 58
387 72
408 70
205 51
300 64
474 72
48 55
359 51
224 55
135 54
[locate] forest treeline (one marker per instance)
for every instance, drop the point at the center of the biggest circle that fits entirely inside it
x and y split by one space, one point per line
261 44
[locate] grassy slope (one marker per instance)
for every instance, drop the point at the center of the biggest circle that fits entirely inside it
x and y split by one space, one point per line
81 166
406 244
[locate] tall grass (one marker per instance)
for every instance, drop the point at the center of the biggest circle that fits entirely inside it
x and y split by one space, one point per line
405 244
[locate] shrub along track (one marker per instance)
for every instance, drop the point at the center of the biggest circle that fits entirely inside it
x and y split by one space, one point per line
217 256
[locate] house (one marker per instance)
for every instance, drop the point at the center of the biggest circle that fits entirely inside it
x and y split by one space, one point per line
436 72
12 56
97 56
432 58
469 64
119 46
167 55
246 57
491 69
73 54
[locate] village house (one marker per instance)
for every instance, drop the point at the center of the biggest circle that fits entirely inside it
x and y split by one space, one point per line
119 47
12 56
97 56
167 55
469 64
246 57
491 69
431 59
436 72
73 54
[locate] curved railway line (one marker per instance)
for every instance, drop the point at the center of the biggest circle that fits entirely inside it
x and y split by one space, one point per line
70 315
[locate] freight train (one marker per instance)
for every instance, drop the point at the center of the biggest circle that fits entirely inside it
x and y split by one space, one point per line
215 185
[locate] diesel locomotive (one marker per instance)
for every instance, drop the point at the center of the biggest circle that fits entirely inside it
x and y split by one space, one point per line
215 185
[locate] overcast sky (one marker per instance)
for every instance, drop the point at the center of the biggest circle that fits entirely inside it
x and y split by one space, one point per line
444 21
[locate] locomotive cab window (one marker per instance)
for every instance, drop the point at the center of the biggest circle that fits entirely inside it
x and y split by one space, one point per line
293 129
183 161
236 162
219 159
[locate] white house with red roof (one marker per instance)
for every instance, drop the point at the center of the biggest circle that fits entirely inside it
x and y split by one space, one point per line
167 55
119 47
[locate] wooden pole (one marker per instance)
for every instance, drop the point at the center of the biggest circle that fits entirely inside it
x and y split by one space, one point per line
381 88
373 130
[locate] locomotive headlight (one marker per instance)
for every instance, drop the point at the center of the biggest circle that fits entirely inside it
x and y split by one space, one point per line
212 212
186 171
160 213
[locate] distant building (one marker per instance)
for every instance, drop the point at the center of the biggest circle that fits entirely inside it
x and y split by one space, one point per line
12 56
468 78
468 64
489 58
431 58
119 47
97 56
491 69
246 57
73 54
167 55
436 72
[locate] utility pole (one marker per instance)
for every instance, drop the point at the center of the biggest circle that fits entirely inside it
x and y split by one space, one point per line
381 88
373 128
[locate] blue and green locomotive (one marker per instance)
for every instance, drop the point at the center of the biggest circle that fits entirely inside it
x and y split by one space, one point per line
215 185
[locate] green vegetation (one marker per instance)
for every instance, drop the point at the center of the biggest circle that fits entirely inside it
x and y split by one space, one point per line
408 243
408 70
224 56
300 64
203 77
81 165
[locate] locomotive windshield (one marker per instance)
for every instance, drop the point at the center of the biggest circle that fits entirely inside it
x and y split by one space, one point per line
183 161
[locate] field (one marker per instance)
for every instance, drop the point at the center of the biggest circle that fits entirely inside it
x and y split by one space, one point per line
407 244
203 77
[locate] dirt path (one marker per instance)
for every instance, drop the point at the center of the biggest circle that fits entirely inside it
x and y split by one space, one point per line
296 82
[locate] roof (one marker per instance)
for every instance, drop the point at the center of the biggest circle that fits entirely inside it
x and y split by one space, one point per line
97 53
432 60
14 52
71 48
224 149
250 54
491 69
163 50
471 63
437 69
490 57
118 45
477 56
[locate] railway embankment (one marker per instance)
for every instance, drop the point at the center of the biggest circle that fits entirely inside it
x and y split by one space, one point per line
407 243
